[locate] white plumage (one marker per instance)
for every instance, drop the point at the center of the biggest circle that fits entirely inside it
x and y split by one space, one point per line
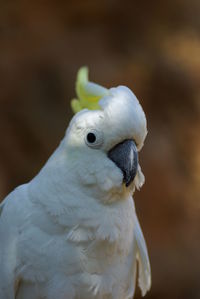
72 232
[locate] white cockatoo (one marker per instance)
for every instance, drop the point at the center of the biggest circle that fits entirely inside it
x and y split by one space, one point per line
72 232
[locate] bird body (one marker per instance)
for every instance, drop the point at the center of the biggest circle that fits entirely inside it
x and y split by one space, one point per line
72 232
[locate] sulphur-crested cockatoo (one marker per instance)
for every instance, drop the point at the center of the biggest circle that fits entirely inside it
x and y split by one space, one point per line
72 232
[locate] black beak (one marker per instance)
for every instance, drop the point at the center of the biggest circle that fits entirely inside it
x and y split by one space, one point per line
125 156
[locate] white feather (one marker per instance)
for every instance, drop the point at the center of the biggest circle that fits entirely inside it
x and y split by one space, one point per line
72 232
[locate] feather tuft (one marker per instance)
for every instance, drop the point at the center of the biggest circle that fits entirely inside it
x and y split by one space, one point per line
88 93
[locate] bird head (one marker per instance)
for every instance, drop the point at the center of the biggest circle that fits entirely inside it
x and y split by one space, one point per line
104 137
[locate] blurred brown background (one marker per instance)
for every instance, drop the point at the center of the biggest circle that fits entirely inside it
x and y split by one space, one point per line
154 48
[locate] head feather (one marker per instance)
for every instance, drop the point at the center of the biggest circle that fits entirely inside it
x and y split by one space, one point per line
88 93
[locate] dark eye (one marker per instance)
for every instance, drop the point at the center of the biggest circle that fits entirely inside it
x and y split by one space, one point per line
94 138
91 137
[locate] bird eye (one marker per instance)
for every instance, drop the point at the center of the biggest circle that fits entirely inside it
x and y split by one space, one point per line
94 138
91 137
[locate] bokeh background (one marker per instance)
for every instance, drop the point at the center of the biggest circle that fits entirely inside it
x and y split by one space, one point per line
154 48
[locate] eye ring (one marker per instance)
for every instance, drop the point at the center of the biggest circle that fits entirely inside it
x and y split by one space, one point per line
94 138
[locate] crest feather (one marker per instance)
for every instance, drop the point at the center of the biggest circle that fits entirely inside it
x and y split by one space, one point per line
88 93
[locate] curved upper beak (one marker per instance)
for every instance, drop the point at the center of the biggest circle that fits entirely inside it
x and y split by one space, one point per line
125 156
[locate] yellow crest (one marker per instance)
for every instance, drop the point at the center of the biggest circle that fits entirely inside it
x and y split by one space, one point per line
88 93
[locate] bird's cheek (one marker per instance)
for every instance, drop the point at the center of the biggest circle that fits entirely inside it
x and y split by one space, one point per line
109 178
87 178
106 177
